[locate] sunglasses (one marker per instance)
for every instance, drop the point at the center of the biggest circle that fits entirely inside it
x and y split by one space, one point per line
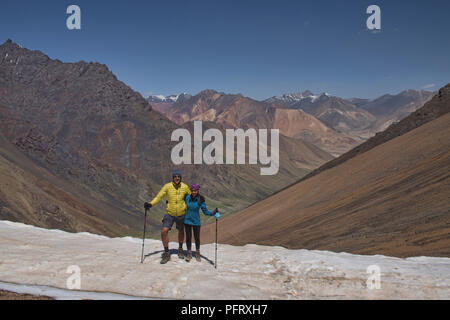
176 176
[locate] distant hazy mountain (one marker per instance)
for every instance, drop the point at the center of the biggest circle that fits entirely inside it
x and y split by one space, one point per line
335 112
356 116
407 101
392 108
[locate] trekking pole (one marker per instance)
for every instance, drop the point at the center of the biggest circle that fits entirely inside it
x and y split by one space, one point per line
215 264
143 237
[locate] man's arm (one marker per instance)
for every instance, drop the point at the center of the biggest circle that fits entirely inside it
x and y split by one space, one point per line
159 196
188 190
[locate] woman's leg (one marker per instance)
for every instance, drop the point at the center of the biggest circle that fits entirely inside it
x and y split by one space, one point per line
197 241
197 237
188 229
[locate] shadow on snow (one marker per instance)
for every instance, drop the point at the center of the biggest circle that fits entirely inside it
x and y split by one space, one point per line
175 252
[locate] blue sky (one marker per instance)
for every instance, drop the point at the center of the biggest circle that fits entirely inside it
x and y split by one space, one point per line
257 48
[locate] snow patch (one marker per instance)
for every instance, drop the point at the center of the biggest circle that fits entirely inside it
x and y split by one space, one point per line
313 98
32 256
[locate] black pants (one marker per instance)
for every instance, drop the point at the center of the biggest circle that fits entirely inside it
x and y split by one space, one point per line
188 230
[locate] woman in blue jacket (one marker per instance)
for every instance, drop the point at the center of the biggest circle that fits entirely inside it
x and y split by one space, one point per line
195 202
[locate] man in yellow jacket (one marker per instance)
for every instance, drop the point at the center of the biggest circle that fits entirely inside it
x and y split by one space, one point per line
175 193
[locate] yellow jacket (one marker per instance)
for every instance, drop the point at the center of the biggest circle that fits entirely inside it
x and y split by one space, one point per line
176 206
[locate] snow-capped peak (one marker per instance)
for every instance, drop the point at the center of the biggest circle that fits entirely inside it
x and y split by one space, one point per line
159 96
313 97
295 97
172 97
168 99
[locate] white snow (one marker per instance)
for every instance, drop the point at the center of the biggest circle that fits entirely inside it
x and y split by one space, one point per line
297 97
32 256
313 97
162 98
290 97
173 97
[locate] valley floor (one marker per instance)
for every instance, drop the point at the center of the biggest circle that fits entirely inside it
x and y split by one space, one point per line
31 257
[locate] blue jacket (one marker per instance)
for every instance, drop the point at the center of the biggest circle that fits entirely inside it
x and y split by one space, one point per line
192 210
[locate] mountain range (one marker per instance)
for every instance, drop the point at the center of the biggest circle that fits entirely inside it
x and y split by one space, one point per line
238 111
356 116
333 124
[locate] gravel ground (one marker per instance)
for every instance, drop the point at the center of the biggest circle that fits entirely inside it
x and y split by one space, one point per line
7 295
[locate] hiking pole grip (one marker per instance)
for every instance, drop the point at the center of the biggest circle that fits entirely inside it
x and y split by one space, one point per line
143 237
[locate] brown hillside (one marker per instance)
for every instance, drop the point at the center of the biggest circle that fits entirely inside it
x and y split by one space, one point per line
301 125
31 194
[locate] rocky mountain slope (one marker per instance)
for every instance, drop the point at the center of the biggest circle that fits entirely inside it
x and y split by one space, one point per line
33 194
387 196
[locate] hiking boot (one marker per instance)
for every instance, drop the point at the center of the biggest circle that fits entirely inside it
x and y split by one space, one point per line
197 256
165 257
189 256
180 253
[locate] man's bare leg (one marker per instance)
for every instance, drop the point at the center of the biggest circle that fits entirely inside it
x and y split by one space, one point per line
180 242
181 236
165 237
165 241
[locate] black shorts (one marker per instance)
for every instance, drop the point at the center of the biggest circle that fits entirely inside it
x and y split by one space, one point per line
168 221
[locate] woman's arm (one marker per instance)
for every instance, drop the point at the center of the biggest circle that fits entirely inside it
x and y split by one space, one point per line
205 210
